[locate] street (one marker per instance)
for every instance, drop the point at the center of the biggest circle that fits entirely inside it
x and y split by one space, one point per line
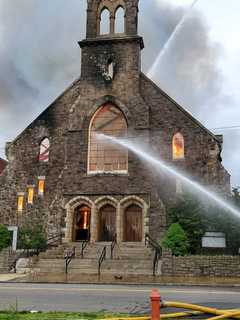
108 298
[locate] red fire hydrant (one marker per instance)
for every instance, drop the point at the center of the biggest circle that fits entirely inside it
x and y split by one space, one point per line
155 304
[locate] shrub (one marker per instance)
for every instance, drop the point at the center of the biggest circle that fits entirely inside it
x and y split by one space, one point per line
176 240
32 238
5 237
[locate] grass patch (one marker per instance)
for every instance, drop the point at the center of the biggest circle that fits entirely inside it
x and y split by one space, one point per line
13 315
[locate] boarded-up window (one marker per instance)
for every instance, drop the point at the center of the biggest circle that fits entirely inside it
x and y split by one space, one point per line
104 156
44 150
178 146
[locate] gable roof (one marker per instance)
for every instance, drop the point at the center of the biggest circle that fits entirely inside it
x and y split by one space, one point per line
218 138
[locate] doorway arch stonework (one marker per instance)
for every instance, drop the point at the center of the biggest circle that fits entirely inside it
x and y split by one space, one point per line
70 208
134 200
100 203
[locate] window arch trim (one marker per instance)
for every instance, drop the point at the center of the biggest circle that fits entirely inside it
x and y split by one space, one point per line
94 172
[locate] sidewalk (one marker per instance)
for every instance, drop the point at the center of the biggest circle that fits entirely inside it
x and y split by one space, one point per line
11 277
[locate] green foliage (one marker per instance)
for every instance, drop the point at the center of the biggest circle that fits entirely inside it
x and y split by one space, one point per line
176 240
5 237
32 237
187 212
197 217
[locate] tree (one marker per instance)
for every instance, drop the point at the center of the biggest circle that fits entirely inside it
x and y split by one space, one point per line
176 240
199 216
5 237
187 212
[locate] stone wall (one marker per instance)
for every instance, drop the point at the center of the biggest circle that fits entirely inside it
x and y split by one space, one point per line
200 265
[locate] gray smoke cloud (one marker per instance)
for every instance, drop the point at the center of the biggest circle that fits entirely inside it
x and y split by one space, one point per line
39 57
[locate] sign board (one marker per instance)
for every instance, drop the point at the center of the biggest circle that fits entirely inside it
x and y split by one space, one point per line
214 240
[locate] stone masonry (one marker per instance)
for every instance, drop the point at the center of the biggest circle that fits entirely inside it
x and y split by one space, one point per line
151 115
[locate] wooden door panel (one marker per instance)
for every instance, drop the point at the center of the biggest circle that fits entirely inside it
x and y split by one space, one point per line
133 224
107 223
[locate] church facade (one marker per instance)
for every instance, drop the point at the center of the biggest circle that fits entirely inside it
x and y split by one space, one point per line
60 175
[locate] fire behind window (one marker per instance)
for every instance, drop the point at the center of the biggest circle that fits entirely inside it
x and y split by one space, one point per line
105 157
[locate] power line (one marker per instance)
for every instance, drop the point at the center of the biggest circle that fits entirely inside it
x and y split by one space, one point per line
226 128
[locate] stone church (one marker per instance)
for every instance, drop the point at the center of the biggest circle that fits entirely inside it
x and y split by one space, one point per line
60 175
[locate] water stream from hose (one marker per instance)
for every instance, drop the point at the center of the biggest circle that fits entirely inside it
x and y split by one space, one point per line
178 27
162 166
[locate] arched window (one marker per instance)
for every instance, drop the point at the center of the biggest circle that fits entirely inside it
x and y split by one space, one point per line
133 223
104 156
105 22
107 223
178 146
44 150
120 20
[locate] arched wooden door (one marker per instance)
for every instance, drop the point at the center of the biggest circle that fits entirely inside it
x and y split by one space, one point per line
81 228
107 223
133 224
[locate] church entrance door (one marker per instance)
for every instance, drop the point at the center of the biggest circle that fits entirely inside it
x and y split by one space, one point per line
133 224
82 224
107 223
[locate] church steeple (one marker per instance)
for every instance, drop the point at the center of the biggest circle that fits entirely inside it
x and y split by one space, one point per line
112 57
94 13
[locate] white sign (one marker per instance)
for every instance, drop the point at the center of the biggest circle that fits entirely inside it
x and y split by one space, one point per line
214 240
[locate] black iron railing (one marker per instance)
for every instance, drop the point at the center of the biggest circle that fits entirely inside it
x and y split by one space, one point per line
54 240
101 259
113 245
83 247
158 251
68 256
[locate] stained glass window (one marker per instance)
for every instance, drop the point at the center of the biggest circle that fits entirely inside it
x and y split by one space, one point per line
105 156
178 146
44 150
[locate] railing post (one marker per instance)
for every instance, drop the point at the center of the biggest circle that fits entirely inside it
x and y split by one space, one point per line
155 304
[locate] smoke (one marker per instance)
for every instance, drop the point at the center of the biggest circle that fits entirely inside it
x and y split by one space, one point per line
39 57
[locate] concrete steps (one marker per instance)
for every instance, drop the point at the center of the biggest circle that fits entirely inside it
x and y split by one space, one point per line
129 259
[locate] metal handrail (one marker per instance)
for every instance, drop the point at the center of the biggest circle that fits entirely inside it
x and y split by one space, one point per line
84 245
113 244
101 259
54 239
69 255
158 251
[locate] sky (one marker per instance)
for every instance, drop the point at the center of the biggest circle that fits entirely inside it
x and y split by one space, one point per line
40 57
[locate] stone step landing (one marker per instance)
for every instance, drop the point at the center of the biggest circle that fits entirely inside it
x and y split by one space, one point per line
129 259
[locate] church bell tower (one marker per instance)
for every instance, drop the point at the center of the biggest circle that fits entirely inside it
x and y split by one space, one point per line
111 58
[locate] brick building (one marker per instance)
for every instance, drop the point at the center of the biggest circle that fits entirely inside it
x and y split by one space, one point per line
3 164
60 175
